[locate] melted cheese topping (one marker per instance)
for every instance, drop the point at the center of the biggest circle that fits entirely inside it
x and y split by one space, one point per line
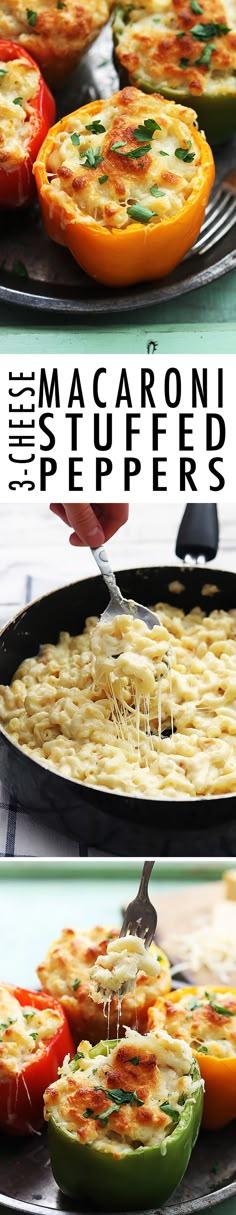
116 972
19 85
116 162
24 1031
206 1020
66 974
57 713
114 1101
170 44
56 36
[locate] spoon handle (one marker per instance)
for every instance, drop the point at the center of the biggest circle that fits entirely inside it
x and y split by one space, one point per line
102 560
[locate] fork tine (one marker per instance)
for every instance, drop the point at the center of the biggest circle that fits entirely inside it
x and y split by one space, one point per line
225 215
231 217
214 213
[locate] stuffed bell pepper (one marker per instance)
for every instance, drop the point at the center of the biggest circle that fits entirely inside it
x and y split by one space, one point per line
34 1040
27 110
124 184
187 51
123 1119
55 32
67 973
206 1019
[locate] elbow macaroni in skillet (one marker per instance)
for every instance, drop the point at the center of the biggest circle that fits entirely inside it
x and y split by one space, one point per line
74 710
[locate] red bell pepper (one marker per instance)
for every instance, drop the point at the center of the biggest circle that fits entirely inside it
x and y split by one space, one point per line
16 179
22 1090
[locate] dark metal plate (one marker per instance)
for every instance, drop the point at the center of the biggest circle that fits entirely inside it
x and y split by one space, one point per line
26 1182
54 282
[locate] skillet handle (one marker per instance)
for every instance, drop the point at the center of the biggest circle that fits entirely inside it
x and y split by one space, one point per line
198 534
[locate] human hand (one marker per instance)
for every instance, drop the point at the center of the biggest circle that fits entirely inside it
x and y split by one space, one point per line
92 523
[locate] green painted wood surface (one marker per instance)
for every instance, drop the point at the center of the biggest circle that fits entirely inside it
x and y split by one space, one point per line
202 321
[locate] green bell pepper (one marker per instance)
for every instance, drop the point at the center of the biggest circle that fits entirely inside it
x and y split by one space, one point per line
140 1178
216 113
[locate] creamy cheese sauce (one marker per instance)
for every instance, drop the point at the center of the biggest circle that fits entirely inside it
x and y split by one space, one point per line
60 716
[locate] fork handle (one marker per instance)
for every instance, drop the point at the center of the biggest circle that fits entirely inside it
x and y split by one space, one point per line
146 874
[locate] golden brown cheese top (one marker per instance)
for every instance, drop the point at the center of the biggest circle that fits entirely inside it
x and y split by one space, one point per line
19 84
55 32
119 1100
24 1031
171 44
205 1019
133 158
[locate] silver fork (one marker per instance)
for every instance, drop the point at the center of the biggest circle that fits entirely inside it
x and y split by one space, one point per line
118 605
220 215
140 918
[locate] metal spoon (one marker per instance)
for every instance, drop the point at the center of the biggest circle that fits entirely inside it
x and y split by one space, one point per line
118 605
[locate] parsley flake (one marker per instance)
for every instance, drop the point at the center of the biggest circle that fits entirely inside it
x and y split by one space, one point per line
195 7
212 29
3 72
142 132
219 1008
168 1109
101 180
75 139
183 63
18 101
96 127
31 16
120 143
163 153
90 158
60 4
157 194
76 984
205 57
184 154
141 214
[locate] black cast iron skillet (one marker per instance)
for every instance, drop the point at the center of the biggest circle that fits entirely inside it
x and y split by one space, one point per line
98 818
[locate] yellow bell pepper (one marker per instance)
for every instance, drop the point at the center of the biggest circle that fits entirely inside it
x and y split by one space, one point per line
218 1073
141 251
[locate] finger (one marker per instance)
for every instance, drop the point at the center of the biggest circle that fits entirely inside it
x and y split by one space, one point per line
86 526
59 510
111 516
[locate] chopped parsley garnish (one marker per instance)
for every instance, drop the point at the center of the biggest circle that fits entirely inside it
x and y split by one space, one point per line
195 7
203 1050
34 1036
137 152
157 194
120 1096
159 955
18 101
90 158
75 139
120 143
31 16
3 72
103 1118
141 214
141 133
28 1015
205 57
183 63
88 1113
168 1109
192 1004
78 1055
181 35
101 180
76 984
60 4
161 153
219 1008
96 127
212 29
184 153
5 1024
135 1060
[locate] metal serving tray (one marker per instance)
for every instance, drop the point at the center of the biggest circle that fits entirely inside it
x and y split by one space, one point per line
40 274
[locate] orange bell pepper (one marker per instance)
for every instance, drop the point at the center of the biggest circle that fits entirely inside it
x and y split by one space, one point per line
219 1074
139 252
